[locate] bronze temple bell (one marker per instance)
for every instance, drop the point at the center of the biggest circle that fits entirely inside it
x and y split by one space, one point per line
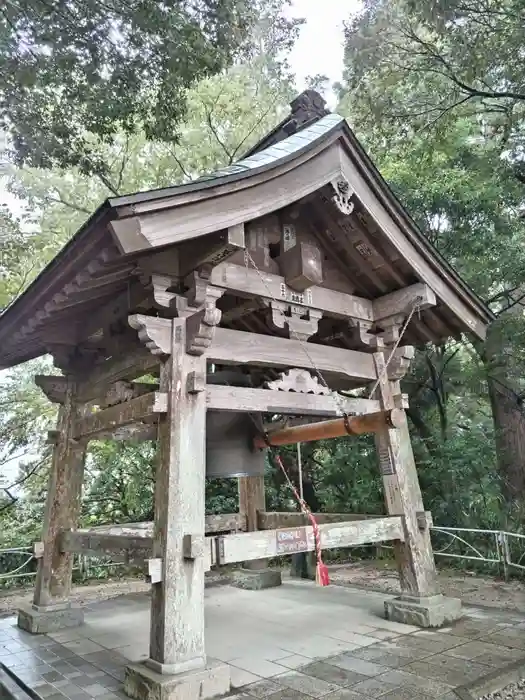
229 436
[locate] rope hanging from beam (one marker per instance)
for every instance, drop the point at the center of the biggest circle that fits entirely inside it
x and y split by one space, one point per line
329 429
321 570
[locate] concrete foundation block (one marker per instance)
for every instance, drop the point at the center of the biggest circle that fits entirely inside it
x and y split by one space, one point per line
303 565
142 683
256 579
431 611
42 620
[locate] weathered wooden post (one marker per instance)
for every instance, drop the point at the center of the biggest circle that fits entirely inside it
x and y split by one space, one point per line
177 665
51 609
421 602
255 574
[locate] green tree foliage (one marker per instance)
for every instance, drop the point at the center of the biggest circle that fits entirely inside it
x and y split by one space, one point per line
77 74
25 456
226 114
120 482
438 57
437 92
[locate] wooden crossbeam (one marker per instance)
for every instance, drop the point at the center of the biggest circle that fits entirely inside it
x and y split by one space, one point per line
276 520
250 282
243 348
210 250
265 544
126 548
403 300
54 387
223 522
135 363
228 398
120 415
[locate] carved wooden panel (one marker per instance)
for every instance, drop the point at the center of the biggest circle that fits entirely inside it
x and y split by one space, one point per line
300 381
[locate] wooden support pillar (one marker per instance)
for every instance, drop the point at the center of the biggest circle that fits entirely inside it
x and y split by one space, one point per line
420 602
177 602
51 609
251 500
254 574
177 666
414 557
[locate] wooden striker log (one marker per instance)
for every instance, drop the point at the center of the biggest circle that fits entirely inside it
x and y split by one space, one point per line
352 425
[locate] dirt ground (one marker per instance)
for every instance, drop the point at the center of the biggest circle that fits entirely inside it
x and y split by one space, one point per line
378 576
472 589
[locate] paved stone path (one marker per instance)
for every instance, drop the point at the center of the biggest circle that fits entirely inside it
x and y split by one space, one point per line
296 642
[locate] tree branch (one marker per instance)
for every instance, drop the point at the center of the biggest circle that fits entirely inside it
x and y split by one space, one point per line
216 135
450 73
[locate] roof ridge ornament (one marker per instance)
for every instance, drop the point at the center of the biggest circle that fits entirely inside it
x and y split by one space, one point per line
307 106
343 194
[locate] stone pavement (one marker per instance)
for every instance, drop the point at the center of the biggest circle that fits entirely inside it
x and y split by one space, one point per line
296 642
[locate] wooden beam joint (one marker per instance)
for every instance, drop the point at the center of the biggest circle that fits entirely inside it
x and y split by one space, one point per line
193 546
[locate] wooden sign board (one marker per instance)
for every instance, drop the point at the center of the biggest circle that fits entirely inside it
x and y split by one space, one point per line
291 540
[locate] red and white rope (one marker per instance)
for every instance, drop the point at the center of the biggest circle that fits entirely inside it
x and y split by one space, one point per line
321 570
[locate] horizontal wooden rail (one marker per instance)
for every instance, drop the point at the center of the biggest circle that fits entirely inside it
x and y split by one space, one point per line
231 398
126 548
274 520
352 425
133 542
126 413
266 544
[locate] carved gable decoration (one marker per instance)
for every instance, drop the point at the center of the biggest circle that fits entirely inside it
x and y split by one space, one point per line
299 381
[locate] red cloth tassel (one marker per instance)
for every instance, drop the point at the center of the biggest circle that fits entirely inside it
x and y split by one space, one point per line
321 574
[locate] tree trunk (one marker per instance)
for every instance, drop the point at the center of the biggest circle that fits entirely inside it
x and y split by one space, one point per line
508 414
509 427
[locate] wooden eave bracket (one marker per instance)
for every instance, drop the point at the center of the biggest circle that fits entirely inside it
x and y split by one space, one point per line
301 322
200 328
361 333
401 303
153 332
54 387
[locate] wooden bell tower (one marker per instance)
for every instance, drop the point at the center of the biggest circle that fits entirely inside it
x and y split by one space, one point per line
292 275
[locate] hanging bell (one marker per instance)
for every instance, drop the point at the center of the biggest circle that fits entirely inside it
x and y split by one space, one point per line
229 436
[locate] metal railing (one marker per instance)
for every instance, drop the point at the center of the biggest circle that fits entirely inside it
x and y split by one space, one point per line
24 564
500 546
20 553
